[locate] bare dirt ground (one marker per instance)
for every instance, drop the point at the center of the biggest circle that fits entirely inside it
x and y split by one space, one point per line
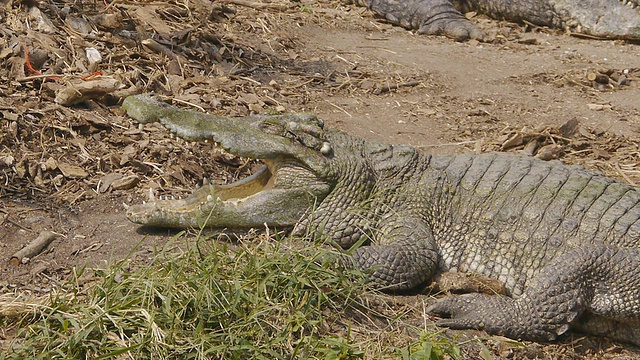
71 168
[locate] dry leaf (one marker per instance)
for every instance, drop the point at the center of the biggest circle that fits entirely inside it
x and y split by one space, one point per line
72 171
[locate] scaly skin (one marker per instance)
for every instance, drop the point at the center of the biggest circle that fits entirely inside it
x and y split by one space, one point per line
612 19
564 240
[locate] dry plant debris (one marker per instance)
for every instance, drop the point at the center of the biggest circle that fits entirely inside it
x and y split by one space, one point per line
603 79
615 156
232 58
70 63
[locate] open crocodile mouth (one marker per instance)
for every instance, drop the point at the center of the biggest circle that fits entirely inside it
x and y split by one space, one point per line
277 195
263 179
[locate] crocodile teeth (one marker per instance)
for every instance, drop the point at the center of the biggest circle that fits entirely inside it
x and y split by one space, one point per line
209 197
205 181
151 195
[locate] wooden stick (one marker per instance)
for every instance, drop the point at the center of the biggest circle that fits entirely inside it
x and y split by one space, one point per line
390 87
41 76
257 5
159 48
78 92
34 248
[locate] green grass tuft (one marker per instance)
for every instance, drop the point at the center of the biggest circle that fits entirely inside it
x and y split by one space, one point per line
258 301
431 346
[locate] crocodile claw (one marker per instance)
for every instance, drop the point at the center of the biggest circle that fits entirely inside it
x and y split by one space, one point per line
457 29
495 314
461 312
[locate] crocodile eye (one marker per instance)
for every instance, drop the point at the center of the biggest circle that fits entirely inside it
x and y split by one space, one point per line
326 149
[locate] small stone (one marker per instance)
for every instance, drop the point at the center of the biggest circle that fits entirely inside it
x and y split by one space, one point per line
274 84
49 165
473 42
550 152
530 148
599 107
6 160
601 154
57 180
108 21
9 115
107 180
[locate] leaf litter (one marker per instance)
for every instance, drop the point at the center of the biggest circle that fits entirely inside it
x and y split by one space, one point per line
65 145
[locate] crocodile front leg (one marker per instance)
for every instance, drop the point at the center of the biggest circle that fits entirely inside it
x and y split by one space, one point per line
403 256
599 280
431 17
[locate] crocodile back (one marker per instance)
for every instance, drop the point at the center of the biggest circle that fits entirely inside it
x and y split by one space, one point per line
506 216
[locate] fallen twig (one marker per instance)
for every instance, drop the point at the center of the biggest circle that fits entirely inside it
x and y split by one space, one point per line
159 48
34 248
624 176
390 87
257 5
37 77
78 92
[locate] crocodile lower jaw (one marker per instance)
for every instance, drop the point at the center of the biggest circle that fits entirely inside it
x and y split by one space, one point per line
180 212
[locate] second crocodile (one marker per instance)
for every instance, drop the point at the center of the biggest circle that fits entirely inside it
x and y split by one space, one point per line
612 19
565 241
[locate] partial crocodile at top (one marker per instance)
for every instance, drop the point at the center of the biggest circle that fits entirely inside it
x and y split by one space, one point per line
565 241
611 19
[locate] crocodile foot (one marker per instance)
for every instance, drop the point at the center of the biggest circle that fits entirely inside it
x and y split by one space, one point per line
457 29
494 314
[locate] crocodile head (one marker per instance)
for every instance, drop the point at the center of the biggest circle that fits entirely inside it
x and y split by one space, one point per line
295 176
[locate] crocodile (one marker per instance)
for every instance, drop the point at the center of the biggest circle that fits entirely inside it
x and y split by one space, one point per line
564 241
611 19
